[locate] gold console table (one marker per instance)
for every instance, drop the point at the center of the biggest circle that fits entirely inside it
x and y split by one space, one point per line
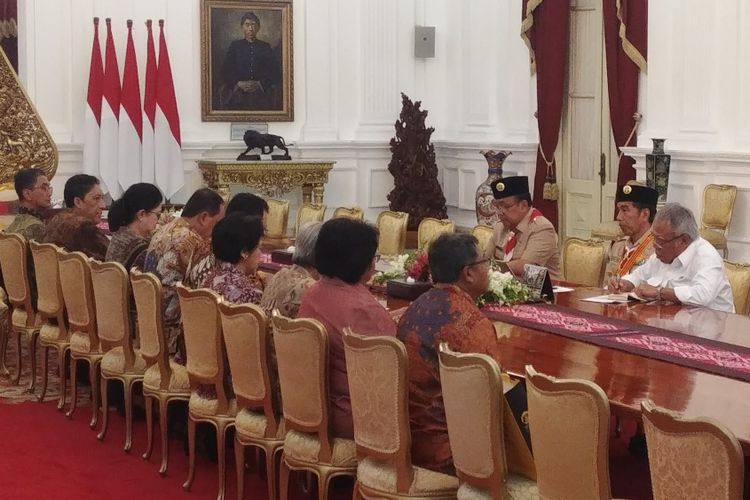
270 178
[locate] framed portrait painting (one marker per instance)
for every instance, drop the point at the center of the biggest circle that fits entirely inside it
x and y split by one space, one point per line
246 60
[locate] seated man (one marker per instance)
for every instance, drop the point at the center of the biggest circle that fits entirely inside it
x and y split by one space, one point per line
76 228
685 268
523 235
636 209
446 313
172 247
246 204
34 201
345 259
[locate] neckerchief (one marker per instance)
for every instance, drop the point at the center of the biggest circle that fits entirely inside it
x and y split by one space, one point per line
511 243
633 254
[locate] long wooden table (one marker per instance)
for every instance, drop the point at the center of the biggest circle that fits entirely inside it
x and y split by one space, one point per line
626 378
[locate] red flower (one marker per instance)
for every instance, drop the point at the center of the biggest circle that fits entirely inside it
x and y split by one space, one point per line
419 269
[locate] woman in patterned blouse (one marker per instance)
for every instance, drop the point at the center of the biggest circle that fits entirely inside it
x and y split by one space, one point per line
235 242
132 220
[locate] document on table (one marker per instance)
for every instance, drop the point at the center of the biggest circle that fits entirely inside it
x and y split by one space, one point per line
562 289
615 298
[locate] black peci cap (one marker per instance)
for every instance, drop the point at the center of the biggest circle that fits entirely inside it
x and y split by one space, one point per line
637 194
510 186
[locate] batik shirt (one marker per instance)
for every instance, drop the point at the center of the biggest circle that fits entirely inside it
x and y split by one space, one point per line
28 223
285 290
443 314
168 255
77 234
232 284
128 248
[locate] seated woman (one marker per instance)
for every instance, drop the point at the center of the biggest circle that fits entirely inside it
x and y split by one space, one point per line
345 259
246 204
235 241
285 289
132 220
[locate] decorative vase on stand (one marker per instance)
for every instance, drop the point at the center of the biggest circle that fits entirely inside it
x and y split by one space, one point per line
657 170
486 213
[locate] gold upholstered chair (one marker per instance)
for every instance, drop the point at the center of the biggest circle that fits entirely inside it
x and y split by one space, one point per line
739 280
349 212
392 227
165 380
584 261
430 228
54 332
607 231
75 281
278 218
379 391
309 212
691 458
483 233
121 361
569 426
472 394
14 252
210 401
716 214
257 424
302 357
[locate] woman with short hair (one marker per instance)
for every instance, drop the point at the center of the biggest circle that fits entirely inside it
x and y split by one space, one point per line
235 241
132 220
286 288
345 259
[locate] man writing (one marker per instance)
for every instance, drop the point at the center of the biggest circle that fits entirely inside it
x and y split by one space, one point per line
685 268
523 235
636 209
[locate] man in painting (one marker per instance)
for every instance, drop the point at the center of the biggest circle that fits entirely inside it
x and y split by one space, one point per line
251 73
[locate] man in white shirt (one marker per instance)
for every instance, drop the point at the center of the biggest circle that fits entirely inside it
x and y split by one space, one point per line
685 268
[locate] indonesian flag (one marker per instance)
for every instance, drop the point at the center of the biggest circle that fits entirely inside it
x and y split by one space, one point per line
110 112
167 144
93 113
149 110
131 124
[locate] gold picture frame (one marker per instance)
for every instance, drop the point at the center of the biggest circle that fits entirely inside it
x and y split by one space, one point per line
247 61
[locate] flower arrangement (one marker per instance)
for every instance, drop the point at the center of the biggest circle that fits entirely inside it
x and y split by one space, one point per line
408 265
503 289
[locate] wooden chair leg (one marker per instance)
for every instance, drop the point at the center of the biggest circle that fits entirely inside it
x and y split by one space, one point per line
356 494
105 408
324 479
164 431
239 464
272 472
4 335
61 357
73 388
149 427
94 378
221 444
32 354
191 452
45 372
283 479
128 386
19 365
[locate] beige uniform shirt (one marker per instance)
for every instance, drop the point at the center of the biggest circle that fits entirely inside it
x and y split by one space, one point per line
536 243
617 253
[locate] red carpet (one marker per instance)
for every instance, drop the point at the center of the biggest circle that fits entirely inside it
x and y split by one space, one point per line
45 455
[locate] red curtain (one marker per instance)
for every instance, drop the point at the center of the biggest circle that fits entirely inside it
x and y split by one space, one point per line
625 23
545 29
9 30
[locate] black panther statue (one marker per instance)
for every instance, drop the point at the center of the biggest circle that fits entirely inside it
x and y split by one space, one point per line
265 142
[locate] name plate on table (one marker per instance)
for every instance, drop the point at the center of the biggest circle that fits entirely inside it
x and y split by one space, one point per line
282 256
403 290
539 283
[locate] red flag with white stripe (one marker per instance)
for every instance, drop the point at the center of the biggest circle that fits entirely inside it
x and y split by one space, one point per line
149 110
167 143
93 113
131 122
110 112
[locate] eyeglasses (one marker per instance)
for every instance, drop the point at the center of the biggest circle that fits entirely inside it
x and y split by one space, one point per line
157 214
660 242
376 258
481 261
504 208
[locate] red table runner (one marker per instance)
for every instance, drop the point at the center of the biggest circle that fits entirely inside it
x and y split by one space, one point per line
707 355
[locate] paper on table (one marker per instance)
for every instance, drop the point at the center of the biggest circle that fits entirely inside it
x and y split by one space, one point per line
562 289
615 298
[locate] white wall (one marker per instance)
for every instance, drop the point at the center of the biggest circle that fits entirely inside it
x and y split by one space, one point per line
697 96
352 58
